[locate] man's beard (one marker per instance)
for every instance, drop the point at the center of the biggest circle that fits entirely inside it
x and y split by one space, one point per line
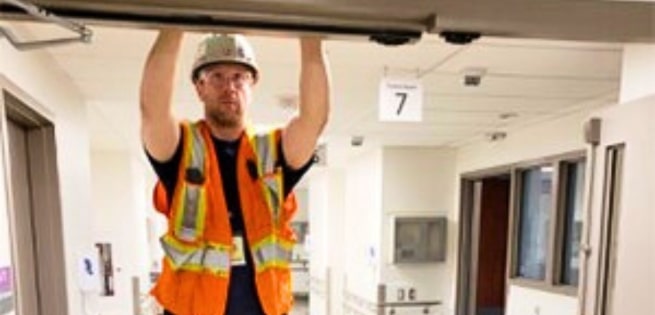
225 119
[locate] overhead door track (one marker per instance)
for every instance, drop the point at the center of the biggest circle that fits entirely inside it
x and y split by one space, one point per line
141 15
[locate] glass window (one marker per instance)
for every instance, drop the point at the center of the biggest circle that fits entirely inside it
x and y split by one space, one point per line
572 222
534 222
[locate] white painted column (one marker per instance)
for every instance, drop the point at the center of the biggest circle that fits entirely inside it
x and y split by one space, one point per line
119 218
319 196
327 226
638 72
336 242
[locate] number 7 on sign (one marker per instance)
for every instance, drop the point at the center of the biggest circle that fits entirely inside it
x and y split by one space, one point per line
403 98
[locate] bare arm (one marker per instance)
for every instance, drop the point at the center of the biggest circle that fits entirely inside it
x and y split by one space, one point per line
301 134
159 129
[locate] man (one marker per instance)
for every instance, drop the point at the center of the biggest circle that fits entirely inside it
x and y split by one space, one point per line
225 190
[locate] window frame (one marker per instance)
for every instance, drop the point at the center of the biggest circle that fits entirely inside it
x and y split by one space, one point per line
561 221
555 249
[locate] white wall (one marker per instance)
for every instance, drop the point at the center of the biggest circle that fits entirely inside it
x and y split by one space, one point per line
156 225
39 76
563 134
350 213
632 124
327 225
363 219
419 182
318 238
318 200
525 301
117 181
637 72
302 197
336 241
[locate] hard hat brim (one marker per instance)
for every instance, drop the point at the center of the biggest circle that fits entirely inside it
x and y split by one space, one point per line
198 69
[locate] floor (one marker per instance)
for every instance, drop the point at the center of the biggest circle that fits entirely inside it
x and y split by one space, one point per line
301 306
490 311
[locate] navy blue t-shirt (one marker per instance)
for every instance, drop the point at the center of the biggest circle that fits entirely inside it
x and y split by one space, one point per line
242 292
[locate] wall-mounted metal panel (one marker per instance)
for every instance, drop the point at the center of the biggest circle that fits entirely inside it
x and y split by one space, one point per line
419 239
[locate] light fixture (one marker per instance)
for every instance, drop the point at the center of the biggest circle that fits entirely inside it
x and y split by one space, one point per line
357 141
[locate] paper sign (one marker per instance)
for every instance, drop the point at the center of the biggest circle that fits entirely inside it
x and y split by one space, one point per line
400 100
88 273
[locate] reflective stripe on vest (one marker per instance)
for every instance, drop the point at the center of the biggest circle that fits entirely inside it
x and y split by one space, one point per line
265 148
212 257
189 223
272 252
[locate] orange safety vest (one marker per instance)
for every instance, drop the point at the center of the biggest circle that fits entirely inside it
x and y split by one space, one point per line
198 244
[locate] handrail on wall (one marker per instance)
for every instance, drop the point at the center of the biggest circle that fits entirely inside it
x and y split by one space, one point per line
84 33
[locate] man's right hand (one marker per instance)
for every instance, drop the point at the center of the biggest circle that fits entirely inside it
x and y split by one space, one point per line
160 130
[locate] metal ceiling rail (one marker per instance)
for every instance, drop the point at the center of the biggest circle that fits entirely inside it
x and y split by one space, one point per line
262 23
41 14
142 14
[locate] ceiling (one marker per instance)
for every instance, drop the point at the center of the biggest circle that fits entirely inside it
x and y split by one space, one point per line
526 81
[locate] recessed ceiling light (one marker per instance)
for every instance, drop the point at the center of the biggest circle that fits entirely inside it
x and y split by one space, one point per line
508 115
496 135
357 141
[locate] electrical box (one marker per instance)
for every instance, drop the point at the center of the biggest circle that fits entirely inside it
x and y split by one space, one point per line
419 239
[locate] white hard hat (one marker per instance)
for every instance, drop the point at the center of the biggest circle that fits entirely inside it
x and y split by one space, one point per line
224 48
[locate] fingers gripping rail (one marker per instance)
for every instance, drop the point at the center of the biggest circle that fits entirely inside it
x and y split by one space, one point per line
84 33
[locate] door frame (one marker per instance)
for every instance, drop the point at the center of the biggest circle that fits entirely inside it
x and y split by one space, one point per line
48 243
469 225
610 217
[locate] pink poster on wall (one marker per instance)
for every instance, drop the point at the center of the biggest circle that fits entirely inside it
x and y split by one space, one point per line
6 291
5 279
